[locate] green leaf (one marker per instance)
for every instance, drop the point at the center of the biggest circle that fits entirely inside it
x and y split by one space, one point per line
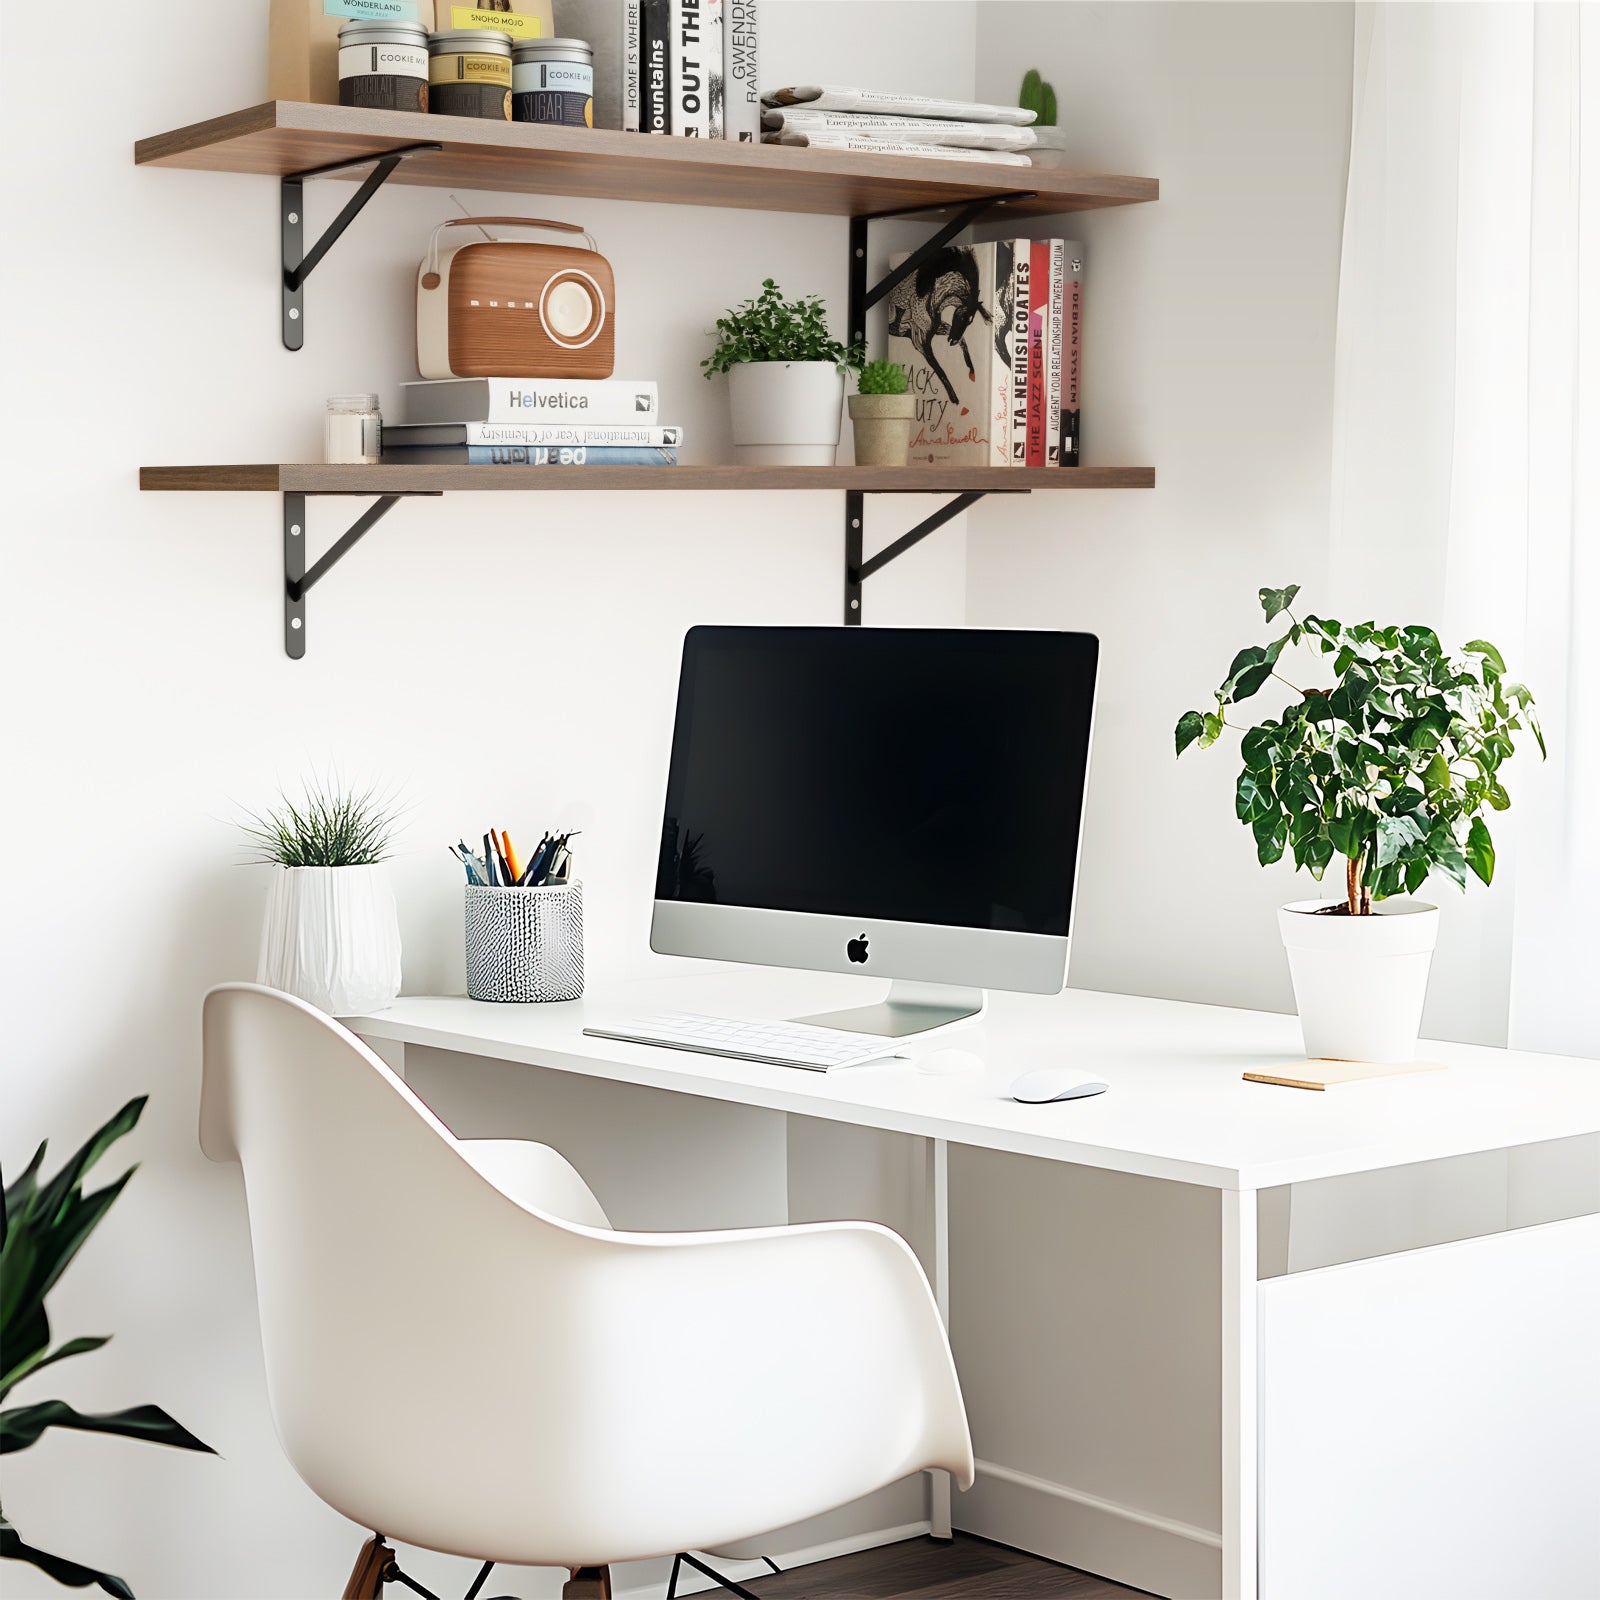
1480 850
1398 838
1319 852
54 1195
20 1427
1482 647
1211 731
72 1574
1259 748
1275 601
1436 776
1252 799
36 1359
1190 726
1272 833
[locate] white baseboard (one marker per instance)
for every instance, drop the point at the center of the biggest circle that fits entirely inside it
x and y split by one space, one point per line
644 1582
1117 1541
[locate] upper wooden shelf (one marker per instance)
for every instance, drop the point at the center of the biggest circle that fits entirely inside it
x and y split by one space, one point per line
284 137
317 478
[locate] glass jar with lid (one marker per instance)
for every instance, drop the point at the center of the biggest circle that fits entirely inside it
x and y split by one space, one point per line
354 431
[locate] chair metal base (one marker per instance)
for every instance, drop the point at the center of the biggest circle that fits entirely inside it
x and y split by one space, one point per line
684 1559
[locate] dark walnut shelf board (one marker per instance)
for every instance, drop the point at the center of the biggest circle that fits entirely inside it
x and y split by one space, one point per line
316 478
284 137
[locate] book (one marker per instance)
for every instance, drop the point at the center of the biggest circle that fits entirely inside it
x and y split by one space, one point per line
909 130
632 59
1021 287
894 147
516 455
741 72
655 70
941 330
1038 324
607 400
1052 355
716 81
691 98
832 97
1071 430
526 433
1001 362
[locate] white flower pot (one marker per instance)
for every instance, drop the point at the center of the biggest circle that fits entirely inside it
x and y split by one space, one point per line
331 935
785 413
1359 982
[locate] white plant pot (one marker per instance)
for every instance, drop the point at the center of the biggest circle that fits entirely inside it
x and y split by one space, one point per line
1359 982
785 413
331 935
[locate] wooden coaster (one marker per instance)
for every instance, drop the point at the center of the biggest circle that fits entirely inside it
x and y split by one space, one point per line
1326 1074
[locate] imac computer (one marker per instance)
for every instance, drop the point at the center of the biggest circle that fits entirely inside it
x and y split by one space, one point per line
892 802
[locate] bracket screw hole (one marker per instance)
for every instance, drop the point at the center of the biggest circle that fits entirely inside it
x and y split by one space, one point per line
294 313
294 528
855 605
855 522
294 216
294 622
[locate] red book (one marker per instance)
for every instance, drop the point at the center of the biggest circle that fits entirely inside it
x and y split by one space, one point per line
1038 325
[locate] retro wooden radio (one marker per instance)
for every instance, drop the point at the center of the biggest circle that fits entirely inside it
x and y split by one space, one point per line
514 308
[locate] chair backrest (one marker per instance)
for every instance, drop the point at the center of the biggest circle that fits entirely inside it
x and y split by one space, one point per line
408 1306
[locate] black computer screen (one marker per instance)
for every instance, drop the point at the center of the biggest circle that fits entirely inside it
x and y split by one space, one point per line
906 774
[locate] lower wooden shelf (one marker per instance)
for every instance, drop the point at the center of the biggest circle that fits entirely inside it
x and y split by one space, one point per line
318 478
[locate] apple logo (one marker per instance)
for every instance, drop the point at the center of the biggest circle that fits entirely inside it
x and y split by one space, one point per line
857 949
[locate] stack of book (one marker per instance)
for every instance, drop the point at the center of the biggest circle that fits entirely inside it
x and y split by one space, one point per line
690 68
991 337
831 118
530 422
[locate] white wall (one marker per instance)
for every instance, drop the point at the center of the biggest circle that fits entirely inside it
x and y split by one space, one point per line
149 700
1208 354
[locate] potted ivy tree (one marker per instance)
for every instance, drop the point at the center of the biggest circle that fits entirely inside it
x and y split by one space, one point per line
881 413
786 376
1389 768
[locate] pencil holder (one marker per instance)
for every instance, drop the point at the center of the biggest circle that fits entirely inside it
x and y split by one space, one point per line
525 944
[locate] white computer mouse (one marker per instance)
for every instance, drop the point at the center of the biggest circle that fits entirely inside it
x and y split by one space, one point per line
943 1061
1045 1084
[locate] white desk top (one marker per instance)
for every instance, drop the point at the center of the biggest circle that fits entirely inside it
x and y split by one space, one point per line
1177 1106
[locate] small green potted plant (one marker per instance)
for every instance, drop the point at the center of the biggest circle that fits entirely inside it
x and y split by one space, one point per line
786 375
881 413
1389 768
331 932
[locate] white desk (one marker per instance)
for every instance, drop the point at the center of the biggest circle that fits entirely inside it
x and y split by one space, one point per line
1178 1113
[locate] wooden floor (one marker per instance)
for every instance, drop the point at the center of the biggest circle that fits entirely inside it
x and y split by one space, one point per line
921 1569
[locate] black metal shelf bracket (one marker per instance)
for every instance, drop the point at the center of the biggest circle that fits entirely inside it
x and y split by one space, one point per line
297 580
298 263
862 298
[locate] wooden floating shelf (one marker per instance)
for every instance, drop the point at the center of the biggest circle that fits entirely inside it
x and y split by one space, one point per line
317 478
285 137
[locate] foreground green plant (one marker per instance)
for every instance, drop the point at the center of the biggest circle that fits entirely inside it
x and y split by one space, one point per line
882 377
42 1227
1391 767
329 827
771 328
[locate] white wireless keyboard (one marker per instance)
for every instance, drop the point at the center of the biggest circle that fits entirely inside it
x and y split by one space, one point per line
781 1044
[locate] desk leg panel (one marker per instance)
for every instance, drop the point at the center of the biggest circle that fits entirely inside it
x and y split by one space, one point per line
1240 1395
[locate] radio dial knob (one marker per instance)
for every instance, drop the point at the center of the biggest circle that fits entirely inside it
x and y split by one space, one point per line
568 309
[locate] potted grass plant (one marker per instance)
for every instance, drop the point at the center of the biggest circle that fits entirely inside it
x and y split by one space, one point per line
881 413
43 1225
786 375
1388 770
331 933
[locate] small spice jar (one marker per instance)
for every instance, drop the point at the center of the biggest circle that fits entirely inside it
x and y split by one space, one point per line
383 66
469 73
552 80
354 433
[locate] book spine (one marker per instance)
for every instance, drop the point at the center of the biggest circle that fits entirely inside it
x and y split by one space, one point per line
632 81
711 13
1021 264
895 147
1000 359
1072 373
550 400
1053 355
655 101
516 455
741 75
691 116
399 435
1038 321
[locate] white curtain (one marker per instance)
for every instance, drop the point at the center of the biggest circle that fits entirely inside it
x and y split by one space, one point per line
1467 435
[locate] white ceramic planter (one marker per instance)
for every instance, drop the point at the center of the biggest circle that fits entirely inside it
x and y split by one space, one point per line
331 935
1359 982
785 413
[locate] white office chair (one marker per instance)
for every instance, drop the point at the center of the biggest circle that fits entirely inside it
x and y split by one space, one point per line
461 1354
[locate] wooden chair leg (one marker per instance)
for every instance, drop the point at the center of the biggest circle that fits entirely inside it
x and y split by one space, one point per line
588 1583
366 1577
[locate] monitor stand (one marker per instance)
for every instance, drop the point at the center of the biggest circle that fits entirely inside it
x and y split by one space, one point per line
908 1008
